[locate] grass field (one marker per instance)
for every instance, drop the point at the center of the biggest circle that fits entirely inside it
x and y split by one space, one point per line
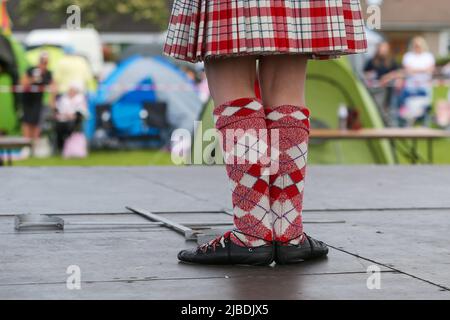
105 158
441 152
162 158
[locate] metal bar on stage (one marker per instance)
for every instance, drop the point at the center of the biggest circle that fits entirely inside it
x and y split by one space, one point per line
186 231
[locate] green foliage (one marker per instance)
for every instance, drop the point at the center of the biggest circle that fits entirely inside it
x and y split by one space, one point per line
155 11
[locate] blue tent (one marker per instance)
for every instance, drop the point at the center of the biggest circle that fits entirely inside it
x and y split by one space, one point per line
138 80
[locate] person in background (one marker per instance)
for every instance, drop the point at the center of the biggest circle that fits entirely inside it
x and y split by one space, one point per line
190 73
109 62
198 76
382 75
36 81
446 70
443 104
382 67
203 88
70 111
418 67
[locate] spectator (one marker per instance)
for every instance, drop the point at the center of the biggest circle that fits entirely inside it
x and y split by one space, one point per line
446 70
35 82
71 109
382 67
419 65
382 76
203 88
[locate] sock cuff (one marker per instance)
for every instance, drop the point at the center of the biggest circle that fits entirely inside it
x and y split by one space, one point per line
237 110
288 116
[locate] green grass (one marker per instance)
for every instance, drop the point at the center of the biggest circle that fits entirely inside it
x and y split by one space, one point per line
162 158
441 152
105 158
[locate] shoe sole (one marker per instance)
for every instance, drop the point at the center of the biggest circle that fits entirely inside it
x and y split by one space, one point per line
256 264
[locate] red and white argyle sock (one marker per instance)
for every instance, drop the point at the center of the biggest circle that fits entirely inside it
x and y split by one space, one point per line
287 184
245 144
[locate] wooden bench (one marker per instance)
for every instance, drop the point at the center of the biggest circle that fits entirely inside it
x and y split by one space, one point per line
8 144
393 135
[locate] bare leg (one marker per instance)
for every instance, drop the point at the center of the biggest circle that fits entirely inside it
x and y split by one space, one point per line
26 131
35 132
282 79
231 78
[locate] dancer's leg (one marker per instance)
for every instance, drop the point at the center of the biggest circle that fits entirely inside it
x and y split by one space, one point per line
240 119
231 78
282 81
232 86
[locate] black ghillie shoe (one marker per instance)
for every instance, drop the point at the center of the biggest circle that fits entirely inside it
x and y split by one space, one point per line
309 249
222 251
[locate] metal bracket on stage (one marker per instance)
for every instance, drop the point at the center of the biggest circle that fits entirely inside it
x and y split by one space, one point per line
198 231
188 230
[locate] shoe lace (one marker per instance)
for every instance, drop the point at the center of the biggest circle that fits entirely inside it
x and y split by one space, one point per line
213 244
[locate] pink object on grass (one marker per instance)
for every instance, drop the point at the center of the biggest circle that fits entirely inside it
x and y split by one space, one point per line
75 146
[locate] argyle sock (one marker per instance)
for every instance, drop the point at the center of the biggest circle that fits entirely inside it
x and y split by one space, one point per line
245 147
287 184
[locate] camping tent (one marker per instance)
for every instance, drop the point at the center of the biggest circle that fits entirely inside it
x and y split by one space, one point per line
155 49
330 84
71 68
65 67
84 42
54 55
147 50
13 65
139 80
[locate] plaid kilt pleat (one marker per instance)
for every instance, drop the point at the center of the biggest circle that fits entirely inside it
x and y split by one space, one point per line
323 29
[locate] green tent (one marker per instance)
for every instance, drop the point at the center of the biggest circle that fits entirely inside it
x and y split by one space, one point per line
55 54
330 83
13 65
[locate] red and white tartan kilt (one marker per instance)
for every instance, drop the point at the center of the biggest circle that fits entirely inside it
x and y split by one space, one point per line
320 28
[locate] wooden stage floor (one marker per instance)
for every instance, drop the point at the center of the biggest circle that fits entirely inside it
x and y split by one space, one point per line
394 218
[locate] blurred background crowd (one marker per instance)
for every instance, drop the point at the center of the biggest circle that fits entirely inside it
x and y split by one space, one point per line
106 86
